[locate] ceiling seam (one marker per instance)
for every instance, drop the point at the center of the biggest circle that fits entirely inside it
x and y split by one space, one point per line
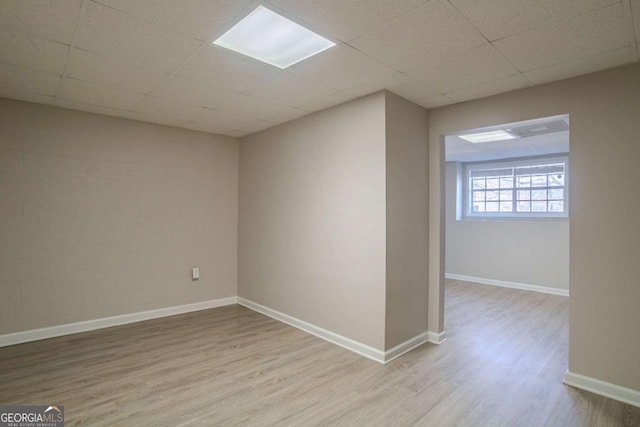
83 7
559 21
626 4
448 4
136 17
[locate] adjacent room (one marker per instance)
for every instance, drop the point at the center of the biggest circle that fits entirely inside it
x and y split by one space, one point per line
319 212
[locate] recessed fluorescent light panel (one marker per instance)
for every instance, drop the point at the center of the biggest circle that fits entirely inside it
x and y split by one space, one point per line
493 135
268 37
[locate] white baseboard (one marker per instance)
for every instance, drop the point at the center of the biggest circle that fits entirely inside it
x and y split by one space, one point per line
405 347
504 284
603 388
106 322
355 346
436 338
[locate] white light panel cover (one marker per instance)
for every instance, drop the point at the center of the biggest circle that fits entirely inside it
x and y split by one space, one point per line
268 37
493 135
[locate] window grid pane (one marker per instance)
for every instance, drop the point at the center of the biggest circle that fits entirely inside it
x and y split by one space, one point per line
520 189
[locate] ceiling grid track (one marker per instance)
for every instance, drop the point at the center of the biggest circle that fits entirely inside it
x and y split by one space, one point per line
448 4
83 7
633 32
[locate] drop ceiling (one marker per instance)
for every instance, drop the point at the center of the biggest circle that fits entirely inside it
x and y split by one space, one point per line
537 137
152 60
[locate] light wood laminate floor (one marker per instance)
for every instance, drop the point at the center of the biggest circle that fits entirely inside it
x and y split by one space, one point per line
502 365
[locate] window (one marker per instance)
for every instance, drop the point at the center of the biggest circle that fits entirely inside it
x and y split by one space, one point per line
516 189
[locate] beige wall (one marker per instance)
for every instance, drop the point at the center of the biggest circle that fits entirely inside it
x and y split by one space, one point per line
102 216
407 135
604 232
528 252
312 219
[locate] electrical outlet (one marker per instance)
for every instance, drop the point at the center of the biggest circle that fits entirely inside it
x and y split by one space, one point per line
195 273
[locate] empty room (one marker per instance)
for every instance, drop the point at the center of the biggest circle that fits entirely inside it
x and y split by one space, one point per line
319 212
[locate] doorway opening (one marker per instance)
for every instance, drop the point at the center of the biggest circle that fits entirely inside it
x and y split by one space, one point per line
507 209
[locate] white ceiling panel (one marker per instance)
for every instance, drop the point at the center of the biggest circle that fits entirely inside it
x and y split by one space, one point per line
218 70
344 20
160 107
429 32
341 68
434 101
119 35
215 66
23 95
599 31
206 127
409 88
397 82
90 108
456 71
287 115
199 19
50 19
20 78
565 70
152 60
288 90
89 93
635 10
488 89
105 71
332 100
32 52
192 92
258 109
498 19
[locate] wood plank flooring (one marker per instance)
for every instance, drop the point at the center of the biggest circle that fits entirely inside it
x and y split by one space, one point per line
502 365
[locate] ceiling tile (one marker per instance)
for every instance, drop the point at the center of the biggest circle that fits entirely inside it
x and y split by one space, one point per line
32 52
89 93
576 67
52 19
215 66
409 88
105 71
219 70
341 68
192 92
158 119
29 80
332 100
237 133
166 108
256 108
288 90
286 116
635 12
83 106
397 83
200 19
432 31
463 69
344 20
488 89
23 95
434 101
116 34
584 35
497 19
207 127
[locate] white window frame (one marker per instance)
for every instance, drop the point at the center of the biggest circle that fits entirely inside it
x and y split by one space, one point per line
513 163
